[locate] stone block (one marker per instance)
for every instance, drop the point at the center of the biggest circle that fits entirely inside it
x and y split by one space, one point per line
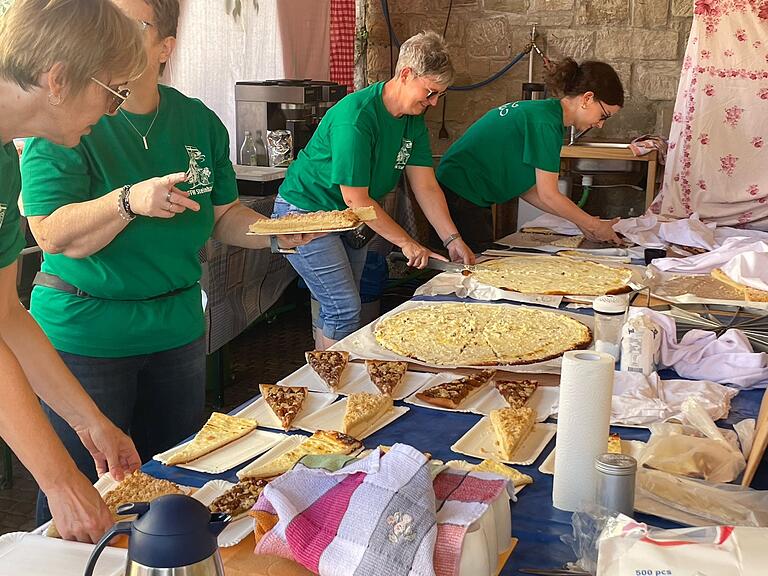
624 70
635 119
378 33
682 7
575 44
443 4
489 37
653 44
657 80
378 59
649 13
513 6
409 6
478 68
602 12
551 5
612 44
664 112
454 35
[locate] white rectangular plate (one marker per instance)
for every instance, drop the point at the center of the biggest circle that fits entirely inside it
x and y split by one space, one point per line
229 456
465 466
480 442
332 418
262 413
285 445
235 531
629 447
543 400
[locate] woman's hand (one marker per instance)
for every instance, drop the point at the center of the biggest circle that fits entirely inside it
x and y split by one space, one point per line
293 240
458 251
418 255
602 231
77 509
112 450
159 197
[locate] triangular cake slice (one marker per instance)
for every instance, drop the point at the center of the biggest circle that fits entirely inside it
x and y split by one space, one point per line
218 431
284 401
516 392
239 499
452 394
494 467
328 365
511 427
386 375
364 410
322 442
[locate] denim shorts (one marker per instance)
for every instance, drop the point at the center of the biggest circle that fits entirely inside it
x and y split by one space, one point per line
332 270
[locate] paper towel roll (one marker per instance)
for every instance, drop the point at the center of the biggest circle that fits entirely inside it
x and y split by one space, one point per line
586 387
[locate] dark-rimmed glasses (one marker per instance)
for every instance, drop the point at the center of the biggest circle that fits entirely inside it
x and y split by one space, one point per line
605 115
118 96
434 93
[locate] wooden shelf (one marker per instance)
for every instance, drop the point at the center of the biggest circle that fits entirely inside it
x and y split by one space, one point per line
596 152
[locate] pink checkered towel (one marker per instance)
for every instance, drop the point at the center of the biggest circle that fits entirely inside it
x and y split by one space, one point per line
381 515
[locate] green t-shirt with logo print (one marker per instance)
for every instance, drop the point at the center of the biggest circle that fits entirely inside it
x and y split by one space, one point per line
11 238
151 256
497 157
358 143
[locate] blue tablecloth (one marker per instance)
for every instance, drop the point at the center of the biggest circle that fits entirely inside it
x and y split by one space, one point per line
535 522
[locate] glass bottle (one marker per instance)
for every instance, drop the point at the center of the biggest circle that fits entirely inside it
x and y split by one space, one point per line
248 155
261 150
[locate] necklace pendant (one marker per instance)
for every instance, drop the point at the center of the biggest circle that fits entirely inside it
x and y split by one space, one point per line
146 146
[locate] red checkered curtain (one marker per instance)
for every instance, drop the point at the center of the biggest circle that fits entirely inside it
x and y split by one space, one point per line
343 42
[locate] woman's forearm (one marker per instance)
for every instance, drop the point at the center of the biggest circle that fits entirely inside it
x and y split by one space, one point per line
384 225
81 229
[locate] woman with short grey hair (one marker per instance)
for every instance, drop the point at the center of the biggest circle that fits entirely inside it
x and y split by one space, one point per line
355 157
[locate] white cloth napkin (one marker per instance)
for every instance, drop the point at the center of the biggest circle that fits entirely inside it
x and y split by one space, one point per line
749 268
717 258
640 399
648 231
557 224
701 355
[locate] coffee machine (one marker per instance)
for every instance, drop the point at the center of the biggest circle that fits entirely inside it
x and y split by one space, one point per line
293 105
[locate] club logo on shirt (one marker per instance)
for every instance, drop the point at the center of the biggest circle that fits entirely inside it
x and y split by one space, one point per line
198 176
3 208
504 109
404 154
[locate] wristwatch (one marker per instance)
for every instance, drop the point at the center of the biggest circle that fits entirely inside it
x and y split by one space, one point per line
276 249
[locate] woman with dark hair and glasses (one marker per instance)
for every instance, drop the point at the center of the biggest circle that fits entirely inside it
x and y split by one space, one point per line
119 296
514 151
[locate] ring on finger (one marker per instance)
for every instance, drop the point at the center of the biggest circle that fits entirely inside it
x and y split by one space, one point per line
168 197
170 206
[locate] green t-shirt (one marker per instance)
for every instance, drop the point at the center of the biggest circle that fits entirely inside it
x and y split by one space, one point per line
496 158
358 143
151 256
11 238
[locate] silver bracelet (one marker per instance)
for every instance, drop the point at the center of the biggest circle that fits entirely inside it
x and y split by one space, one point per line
123 204
450 239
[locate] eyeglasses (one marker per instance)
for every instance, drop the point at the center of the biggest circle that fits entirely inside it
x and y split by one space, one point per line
605 115
119 96
432 93
144 25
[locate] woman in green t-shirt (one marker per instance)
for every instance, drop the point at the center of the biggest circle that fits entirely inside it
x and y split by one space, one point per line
62 66
355 157
119 296
514 151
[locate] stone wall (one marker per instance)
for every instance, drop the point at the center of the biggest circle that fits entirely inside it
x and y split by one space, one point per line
644 40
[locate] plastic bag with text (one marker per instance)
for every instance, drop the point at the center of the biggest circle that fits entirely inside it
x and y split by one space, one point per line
629 548
697 449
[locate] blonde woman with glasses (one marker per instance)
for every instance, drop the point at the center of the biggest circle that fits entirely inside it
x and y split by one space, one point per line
136 342
63 65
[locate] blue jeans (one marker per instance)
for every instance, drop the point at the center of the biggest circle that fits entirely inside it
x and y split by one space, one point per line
159 399
332 271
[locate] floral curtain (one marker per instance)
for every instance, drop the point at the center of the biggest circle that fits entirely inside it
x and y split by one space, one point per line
719 138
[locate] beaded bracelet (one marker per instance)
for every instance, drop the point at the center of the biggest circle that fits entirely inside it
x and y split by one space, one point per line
124 204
